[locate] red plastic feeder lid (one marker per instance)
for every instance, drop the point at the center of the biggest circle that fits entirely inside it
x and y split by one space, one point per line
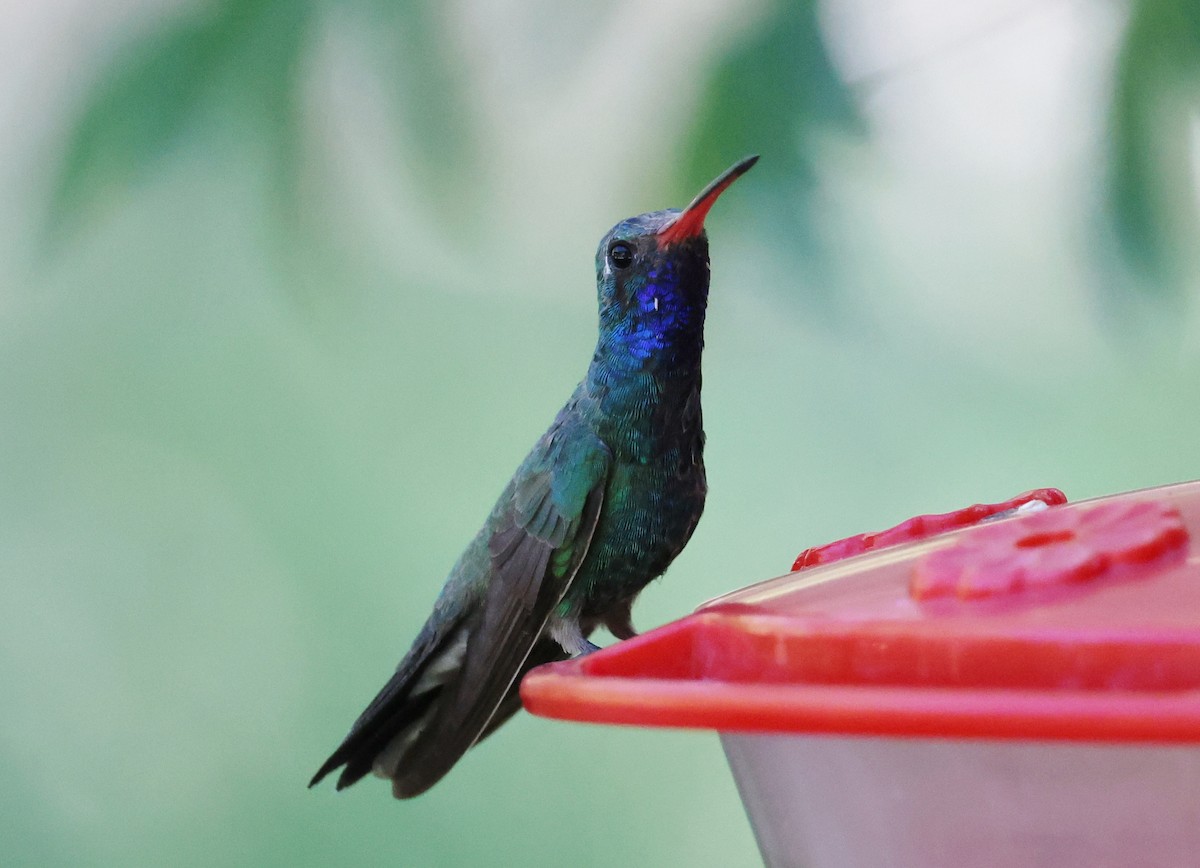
1081 621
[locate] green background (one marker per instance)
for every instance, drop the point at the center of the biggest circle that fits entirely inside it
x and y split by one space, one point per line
287 289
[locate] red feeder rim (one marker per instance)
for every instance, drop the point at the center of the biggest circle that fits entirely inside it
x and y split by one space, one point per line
1081 622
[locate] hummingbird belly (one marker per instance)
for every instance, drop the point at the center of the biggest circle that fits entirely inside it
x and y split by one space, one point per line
650 511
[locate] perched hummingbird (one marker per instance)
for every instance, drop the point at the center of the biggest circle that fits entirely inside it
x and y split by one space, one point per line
600 507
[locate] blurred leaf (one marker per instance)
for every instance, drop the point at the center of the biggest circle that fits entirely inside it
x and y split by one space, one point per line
236 62
427 86
774 95
237 55
1151 199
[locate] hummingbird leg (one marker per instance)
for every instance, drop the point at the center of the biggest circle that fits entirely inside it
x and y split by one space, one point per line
568 634
619 621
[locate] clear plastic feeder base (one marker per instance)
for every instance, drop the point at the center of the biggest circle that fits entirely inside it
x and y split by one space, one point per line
859 802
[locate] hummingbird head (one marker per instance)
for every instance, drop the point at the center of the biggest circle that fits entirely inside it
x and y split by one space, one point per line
652 279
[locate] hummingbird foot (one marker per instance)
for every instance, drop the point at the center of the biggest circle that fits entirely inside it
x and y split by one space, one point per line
568 634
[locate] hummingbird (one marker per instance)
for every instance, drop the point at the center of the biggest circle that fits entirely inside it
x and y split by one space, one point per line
600 507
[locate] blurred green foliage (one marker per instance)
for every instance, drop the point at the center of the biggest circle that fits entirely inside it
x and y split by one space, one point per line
1152 194
238 58
224 514
775 92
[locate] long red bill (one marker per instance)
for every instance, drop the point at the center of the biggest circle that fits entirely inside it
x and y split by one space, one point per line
690 221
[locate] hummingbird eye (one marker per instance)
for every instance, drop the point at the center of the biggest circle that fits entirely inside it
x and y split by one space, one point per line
620 254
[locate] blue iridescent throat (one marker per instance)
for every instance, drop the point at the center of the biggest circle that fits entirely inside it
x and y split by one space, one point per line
652 317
